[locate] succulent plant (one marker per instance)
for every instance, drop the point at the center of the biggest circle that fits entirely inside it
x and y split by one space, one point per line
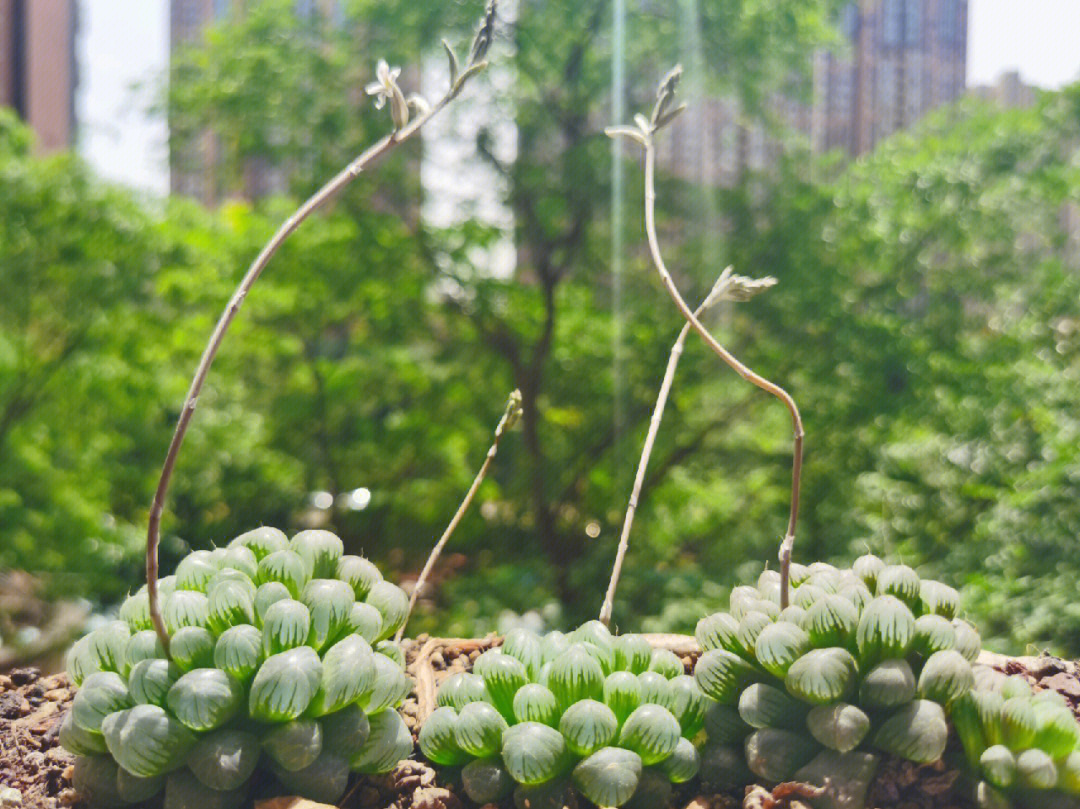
1024 747
605 715
865 660
276 660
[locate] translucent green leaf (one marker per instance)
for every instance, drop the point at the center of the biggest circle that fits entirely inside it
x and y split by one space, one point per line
205 699
392 603
285 567
461 688
632 653
348 671
95 780
195 571
822 676
479 729
609 777
534 753
150 681
285 684
320 551
286 625
840 726
192 647
261 541
345 731
184 791
486 781
146 741
102 693
239 651
587 726
329 601
575 675
185 608
437 738
294 745
229 604
324 780
390 687
360 574
683 764
535 703
652 732
224 759
365 621
622 693
917 732
389 743
80 742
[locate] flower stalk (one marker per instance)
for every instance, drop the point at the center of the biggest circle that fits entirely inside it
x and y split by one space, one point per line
644 135
387 89
509 418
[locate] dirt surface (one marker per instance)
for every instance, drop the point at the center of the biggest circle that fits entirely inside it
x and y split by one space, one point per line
31 760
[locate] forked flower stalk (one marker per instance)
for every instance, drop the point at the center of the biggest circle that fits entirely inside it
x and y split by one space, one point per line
727 287
509 418
643 134
403 130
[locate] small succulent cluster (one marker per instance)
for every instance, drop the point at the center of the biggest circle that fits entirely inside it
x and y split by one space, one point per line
277 657
862 660
1024 747
609 715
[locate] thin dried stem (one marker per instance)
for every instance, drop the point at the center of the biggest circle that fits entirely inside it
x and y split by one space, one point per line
643 134
643 462
400 134
509 418
729 358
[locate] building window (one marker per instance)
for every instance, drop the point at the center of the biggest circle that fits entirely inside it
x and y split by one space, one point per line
892 12
913 22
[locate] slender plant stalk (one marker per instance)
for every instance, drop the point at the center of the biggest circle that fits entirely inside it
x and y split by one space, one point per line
643 134
509 418
643 462
403 130
730 359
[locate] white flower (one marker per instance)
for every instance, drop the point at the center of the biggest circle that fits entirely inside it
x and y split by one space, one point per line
385 84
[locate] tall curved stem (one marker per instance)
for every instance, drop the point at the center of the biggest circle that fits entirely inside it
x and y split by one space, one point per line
743 371
313 203
509 417
643 462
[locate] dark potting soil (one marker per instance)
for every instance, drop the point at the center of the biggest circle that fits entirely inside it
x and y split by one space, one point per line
32 707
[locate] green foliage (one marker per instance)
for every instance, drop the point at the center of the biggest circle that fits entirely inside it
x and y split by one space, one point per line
537 710
140 726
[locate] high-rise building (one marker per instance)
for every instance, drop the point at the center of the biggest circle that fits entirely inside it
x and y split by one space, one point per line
1008 91
906 58
37 67
901 59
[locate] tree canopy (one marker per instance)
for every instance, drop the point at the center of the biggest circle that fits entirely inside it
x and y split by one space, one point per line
925 320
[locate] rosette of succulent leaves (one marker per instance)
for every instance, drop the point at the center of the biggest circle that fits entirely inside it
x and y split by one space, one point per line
864 661
607 715
278 661
1023 747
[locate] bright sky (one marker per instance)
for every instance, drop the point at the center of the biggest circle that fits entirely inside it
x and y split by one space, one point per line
126 42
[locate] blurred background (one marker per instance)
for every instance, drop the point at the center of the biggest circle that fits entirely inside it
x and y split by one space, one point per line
909 170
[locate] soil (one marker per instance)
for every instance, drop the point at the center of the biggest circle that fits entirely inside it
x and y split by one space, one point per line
32 706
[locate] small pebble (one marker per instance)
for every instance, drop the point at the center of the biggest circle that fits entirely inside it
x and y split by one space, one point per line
9 796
